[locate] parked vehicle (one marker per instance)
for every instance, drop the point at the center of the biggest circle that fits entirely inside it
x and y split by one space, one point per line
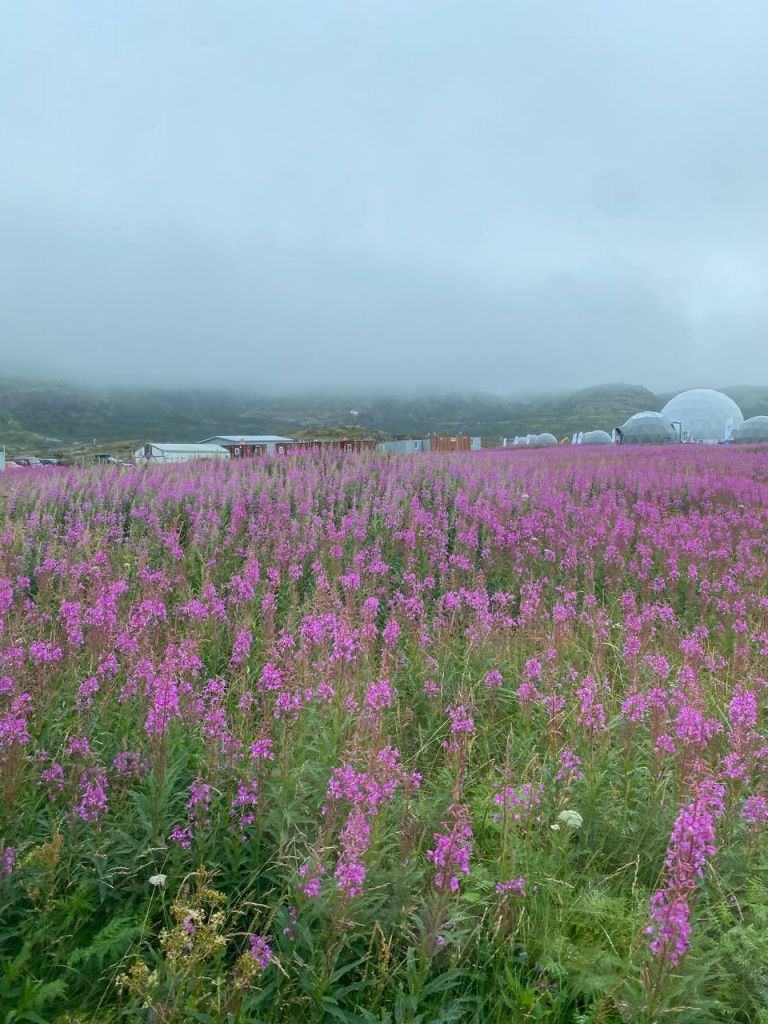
28 460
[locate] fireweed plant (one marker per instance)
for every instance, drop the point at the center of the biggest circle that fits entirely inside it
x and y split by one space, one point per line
475 737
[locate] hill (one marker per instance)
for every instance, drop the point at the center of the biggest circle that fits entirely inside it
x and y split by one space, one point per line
49 416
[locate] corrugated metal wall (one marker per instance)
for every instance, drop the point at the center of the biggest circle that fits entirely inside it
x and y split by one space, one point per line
407 447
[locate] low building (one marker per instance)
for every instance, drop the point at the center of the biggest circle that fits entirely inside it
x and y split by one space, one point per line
165 452
341 444
406 447
450 443
248 446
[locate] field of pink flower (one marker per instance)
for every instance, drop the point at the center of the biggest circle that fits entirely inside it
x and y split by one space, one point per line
447 738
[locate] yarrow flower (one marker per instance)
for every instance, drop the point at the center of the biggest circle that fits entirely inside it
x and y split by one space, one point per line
569 819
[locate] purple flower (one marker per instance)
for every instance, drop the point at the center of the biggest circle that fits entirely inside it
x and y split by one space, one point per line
493 679
130 765
354 840
755 811
390 633
182 836
570 766
92 803
261 750
515 886
79 745
7 860
691 843
198 803
14 724
261 951
452 850
244 804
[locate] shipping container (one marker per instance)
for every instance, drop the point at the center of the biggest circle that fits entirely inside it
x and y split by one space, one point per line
407 447
451 443
249 446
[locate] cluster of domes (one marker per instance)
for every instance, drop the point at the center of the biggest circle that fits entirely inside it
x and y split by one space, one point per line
535 441
700 415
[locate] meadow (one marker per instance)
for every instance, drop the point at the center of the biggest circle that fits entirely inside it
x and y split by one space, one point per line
401 740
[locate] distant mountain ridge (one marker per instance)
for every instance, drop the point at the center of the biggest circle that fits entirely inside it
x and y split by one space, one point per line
50 416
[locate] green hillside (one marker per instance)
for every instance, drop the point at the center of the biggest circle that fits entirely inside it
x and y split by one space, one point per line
46 416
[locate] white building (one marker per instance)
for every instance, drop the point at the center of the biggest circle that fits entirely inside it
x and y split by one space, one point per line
544 440
594 437
156 452
647 428
752 431
703 415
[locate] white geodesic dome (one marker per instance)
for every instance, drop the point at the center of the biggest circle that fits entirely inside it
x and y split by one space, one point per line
752 431
543 440
648 428
595 437
704 415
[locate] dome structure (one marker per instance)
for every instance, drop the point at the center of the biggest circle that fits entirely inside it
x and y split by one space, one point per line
704 415
543 440
595 437
648 428
752 431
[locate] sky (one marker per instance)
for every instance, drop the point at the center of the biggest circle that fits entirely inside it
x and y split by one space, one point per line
497 195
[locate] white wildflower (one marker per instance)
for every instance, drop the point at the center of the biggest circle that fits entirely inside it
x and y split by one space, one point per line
158 880
570 818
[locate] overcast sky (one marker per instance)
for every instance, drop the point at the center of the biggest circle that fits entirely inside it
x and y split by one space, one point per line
491 195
